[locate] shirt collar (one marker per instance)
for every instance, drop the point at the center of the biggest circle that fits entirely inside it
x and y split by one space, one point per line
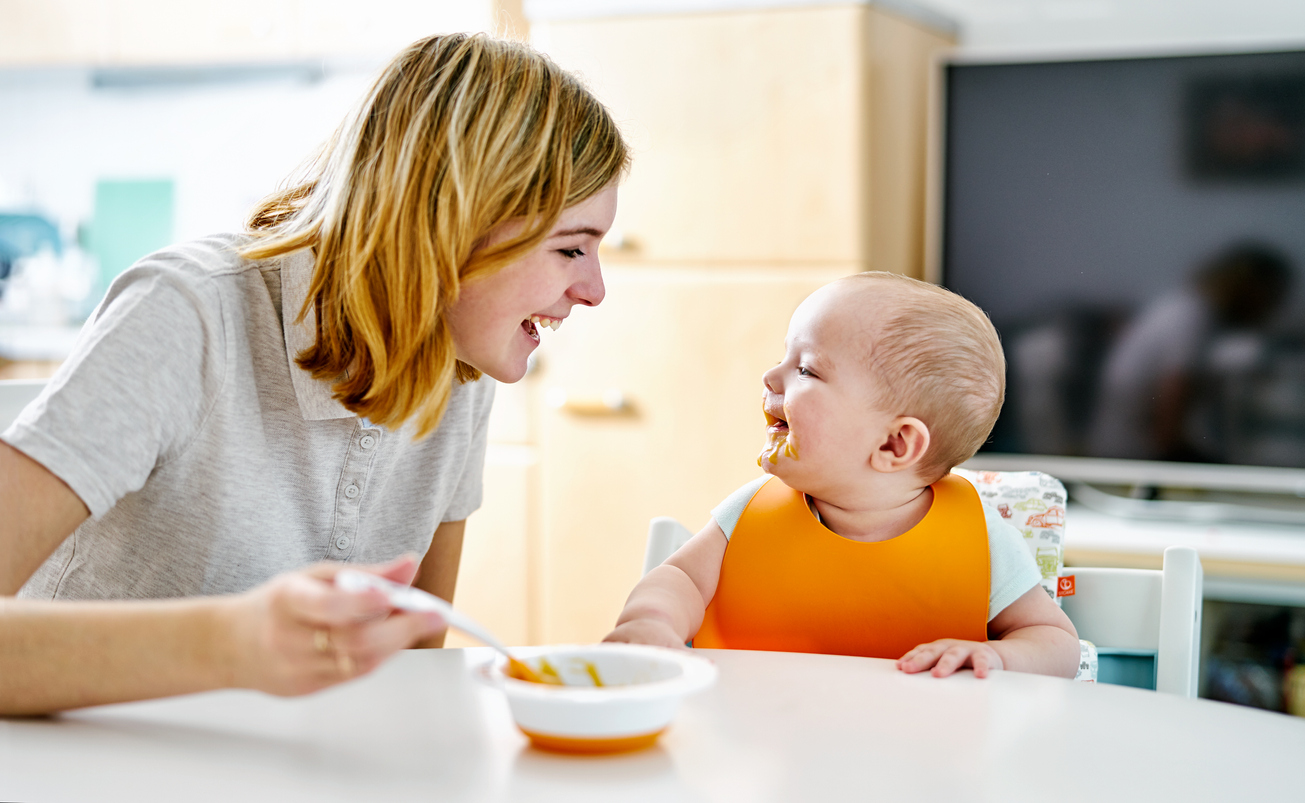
317 400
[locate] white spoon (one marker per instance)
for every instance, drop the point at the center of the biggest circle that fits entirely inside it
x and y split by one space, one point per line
414 599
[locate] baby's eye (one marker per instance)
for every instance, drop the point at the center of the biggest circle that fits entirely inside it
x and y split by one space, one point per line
804 371
571 253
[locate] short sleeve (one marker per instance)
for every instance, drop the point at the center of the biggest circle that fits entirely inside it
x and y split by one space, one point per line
727 513
470 491
137 387
1014 571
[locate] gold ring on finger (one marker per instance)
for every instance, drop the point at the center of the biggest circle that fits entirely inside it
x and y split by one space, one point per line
344 662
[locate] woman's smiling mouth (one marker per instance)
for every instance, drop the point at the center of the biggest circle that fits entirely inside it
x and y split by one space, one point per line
531 325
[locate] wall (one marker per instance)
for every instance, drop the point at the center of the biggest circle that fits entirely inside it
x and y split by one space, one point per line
1069 25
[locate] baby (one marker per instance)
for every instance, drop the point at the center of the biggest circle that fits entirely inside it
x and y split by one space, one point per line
860 541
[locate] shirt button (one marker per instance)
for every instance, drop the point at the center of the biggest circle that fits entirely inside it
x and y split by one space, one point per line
342 542
367 442
351 491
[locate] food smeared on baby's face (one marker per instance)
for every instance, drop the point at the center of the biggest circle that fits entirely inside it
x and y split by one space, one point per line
779 440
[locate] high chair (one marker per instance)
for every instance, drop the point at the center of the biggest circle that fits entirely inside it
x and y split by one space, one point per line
15 394
1137 627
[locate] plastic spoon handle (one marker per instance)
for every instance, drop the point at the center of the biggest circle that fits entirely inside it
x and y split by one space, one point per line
414 599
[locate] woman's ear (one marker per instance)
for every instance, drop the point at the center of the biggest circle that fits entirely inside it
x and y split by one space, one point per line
904 447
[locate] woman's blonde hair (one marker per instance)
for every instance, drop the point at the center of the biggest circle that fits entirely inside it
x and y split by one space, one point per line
938 358
460 134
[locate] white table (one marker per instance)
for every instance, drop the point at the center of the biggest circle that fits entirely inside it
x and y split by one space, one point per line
776 727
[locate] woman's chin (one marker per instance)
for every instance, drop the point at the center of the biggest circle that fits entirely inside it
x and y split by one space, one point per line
506 371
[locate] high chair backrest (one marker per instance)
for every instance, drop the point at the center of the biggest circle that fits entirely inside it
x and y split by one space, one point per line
1034 504
15 394
665 535
1145 624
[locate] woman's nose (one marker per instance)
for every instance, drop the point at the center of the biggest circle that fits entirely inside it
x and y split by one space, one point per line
588 288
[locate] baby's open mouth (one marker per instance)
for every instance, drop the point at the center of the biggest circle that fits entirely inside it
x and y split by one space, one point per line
774 424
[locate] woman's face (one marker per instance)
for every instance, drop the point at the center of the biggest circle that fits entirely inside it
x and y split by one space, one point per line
496 319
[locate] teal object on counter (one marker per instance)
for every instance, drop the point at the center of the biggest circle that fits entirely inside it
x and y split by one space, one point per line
1134 668
132 218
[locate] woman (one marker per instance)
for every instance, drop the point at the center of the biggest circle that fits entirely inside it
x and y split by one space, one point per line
244 405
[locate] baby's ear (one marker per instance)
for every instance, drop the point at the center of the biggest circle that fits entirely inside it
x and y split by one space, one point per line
903 447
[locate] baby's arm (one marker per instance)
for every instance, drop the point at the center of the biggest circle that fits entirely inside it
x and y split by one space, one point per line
667 606
1032 634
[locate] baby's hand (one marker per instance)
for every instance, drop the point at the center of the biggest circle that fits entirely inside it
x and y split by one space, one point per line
947 655
645 631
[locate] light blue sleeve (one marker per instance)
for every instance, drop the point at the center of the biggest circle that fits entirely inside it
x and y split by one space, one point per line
1014 571
727 513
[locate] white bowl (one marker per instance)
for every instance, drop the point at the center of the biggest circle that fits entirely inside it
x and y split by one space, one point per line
642 688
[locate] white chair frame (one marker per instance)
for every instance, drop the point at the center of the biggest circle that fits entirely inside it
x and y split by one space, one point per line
1145 611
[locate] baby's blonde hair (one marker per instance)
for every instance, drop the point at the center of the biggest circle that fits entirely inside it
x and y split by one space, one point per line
461 133
939 359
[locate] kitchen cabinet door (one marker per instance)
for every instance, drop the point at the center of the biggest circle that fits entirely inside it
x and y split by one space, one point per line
685 350
495 580
748 129
781 135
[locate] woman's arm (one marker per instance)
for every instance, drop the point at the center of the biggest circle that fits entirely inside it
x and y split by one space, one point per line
295 634
667 606
40 512
439 570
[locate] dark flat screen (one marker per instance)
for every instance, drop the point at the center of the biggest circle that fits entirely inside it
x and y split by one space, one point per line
1136 230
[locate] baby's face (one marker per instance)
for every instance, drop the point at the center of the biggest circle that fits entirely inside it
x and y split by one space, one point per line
822 425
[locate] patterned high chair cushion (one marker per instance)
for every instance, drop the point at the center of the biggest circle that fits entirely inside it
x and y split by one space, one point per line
1034 504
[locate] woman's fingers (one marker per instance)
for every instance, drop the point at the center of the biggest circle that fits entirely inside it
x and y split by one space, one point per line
314 597
401 570
314 601
370 643
298 633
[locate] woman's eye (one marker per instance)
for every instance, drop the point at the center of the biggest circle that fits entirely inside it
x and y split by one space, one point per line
571 253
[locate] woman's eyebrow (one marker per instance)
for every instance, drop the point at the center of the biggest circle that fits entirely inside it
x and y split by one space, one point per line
592 232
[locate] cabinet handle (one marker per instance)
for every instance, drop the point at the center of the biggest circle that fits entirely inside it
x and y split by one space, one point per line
610 402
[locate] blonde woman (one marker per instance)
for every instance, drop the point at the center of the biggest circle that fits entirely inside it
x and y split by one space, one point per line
310 393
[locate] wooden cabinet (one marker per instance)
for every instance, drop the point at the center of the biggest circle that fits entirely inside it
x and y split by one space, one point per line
774 151
783 135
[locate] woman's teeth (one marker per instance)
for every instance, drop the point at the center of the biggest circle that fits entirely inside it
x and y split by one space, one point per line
551 323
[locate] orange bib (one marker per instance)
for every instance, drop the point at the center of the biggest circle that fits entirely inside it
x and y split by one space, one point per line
787 583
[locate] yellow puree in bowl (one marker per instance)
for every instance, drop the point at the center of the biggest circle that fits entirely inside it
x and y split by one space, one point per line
548 673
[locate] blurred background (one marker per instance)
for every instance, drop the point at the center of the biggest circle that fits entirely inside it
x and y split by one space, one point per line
778 144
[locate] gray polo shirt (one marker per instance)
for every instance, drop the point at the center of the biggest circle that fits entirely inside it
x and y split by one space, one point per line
208 459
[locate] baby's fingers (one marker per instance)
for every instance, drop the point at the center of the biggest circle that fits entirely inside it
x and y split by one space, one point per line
955 657
922 657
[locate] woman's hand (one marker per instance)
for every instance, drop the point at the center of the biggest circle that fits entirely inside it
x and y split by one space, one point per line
298 633
945 656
